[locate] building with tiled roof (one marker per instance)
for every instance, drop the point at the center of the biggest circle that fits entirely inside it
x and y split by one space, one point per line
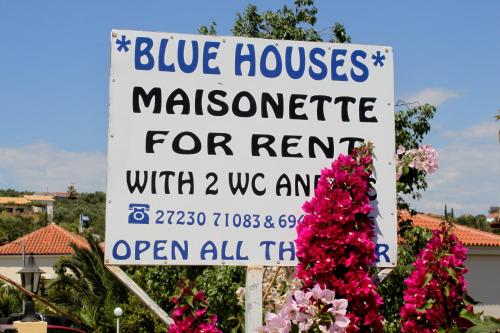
468 236
47 245
28 205
20 201
483 261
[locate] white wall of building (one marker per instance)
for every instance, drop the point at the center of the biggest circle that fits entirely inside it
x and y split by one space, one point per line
483 278
11 264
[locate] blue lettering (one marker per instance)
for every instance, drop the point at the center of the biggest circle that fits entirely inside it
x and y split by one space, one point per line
263 62
290 249
381 251
187 68
359 65
159 246
240 58
208 55
125 246
323 70
141 247
295 74
183 251
223 252
208 248
238 251
161 61
144 52
267 245
338 63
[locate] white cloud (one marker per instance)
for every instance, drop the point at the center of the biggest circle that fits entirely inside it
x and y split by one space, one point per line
467 179
484 130
40 166
434 96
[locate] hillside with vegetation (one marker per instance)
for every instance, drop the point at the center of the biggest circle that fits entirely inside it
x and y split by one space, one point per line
66 214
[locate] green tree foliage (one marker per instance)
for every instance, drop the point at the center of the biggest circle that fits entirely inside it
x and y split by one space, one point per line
391 289
286 23
9 192
72 191
210 30
15 226
412 124
161 283
494 209
67 212
476 222
86 288
220 285
11 300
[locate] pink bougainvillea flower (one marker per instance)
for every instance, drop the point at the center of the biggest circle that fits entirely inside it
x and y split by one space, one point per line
435 291
335 241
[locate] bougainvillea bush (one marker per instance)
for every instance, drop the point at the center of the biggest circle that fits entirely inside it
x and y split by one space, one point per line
190 313
435 295
334 245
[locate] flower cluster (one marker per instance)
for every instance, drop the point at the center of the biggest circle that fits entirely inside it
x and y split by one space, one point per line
334 244
316 310
424 158
436 289
190 313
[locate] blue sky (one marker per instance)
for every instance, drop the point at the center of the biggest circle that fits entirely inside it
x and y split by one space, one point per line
54 63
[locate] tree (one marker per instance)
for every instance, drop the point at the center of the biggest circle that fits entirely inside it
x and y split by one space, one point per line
476 222
285 23
13 193
494 210
86 288
412 124
67 212
15 226
72 193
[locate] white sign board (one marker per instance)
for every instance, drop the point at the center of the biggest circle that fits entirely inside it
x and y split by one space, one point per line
216 142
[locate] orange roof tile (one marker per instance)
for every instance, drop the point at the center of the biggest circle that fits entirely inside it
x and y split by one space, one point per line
51 239
468 236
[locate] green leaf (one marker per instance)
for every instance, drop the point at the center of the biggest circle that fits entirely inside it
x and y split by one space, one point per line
189 300
470 316
468 300
452 273
427 305
486 327
428 278
447 290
